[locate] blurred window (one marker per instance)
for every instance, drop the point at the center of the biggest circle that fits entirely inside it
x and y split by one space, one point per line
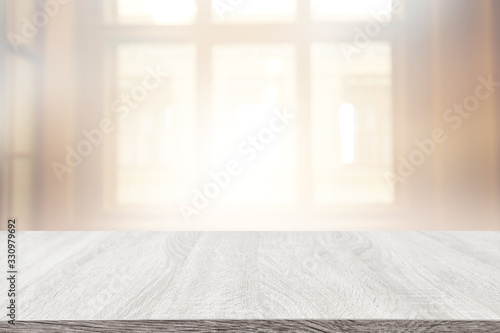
251 81
227 75
351 124
157 138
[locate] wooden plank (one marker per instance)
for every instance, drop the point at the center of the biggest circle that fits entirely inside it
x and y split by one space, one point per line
443 276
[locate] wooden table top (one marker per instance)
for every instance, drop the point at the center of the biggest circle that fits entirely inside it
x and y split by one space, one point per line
330 277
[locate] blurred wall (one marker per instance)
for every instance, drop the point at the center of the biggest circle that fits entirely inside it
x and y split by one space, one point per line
59 117
450 43
466 166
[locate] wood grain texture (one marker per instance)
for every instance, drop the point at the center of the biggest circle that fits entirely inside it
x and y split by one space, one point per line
257 275
251 326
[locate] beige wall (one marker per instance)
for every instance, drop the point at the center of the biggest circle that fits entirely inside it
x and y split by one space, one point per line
466 166
59 114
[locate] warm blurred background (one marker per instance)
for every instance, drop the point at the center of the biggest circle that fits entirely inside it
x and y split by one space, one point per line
115 113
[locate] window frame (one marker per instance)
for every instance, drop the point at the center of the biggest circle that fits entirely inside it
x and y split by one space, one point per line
95 44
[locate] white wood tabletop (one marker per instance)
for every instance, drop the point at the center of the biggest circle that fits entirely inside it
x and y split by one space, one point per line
257 275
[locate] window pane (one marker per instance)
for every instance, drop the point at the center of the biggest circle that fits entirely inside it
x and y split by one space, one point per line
351 125
351 10
156 140
251 82
151 11
253 11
